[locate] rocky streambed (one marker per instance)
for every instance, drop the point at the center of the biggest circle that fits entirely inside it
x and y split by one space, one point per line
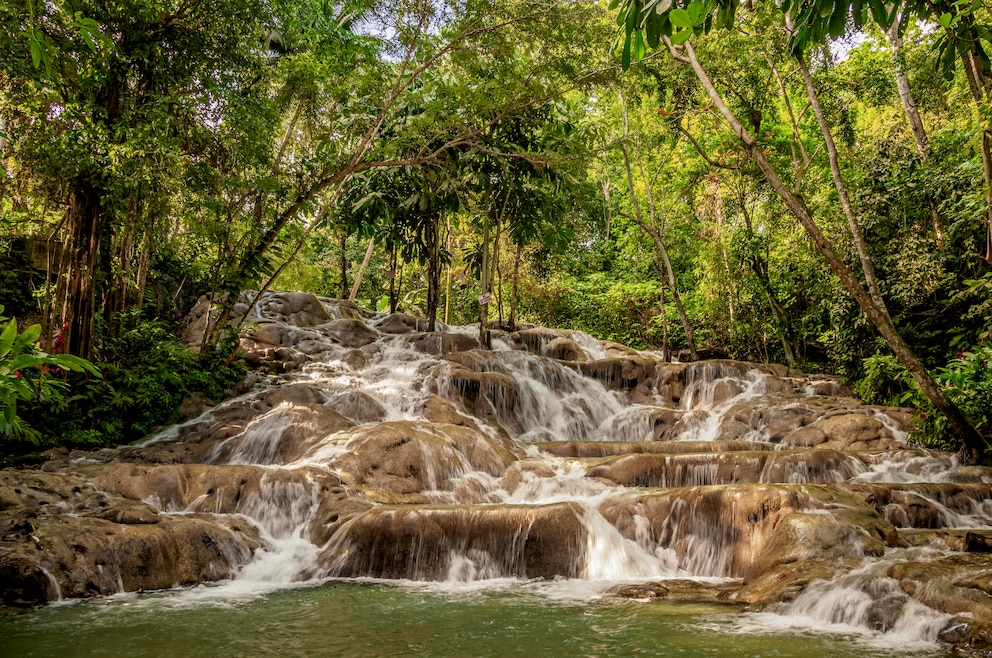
370 447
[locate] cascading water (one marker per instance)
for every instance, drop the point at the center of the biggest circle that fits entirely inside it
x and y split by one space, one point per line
384 461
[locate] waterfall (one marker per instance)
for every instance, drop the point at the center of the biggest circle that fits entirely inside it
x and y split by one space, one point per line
468 466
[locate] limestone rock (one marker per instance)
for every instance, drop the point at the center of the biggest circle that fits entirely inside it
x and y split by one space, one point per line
408 457
421 543
348 332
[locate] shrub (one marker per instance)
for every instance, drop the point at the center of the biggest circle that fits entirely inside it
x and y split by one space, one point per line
146 373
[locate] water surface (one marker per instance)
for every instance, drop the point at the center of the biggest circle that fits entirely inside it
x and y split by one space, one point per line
378 619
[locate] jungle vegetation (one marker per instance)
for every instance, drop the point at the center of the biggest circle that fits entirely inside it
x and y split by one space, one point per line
807 182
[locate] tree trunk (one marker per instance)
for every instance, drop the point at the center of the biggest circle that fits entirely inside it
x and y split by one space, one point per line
973 443
971 71
433 271
484 337
447 285
906 93
913 117
845 201
660 246
665 352
393 292
361 270
514 294
86 225
344 264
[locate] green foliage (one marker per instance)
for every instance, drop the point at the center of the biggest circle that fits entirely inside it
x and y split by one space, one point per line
29 375
625 312
886 381
146 373
967 379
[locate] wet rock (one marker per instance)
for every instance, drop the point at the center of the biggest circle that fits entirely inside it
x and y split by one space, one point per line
565 349
86 542
535 339
193 405
409 457
299 309
280 436
290 394
438 343
348 332
460 543
614 350
622 373
853 431
681 590
955 583
400 323
699 469
438 410
357 406
954 631
607 448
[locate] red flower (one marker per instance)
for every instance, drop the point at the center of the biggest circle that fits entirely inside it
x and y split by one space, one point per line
17 374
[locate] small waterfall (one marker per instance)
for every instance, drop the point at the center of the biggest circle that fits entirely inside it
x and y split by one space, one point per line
867 600
612 557
712 389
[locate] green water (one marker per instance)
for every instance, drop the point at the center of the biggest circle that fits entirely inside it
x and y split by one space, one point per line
350 619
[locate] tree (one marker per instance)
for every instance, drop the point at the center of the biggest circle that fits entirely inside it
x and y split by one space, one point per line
674 27
107 98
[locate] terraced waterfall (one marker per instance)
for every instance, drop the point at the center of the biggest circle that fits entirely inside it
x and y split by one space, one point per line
369 448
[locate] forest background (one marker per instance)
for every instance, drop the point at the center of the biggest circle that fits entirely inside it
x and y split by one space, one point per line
564 156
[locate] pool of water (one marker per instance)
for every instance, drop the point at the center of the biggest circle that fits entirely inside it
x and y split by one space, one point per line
387 619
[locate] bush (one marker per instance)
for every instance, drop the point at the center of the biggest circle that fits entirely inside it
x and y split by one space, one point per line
967 380
886 381
146 373
28 374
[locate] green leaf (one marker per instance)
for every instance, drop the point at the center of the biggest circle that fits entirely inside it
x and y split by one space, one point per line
639 49
36 49
29 336
944 20
878 11
680 18
838 20
680 37
696 12
7 337
75 363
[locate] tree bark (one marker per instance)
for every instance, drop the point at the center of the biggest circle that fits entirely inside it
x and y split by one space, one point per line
361 270
514 294
906 93
86 223
841 186
484 338
344 264
973 444
433 270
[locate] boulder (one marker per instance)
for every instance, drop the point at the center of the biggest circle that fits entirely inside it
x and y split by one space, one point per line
63 537
439 343
460 543
565 349
406 457
400 323
348 332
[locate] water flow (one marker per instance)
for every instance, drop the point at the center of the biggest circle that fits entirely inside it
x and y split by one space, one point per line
713 389
482 514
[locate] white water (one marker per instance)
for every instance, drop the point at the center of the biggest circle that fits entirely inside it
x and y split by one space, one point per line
549 402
